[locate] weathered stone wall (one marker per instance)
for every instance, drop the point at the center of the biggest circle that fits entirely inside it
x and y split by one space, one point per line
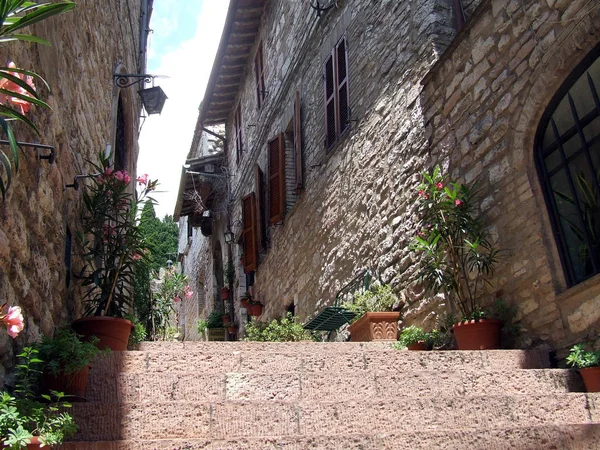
484 102
352 212
87 45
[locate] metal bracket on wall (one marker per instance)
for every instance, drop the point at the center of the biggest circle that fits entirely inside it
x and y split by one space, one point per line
321 9
50 156
75 184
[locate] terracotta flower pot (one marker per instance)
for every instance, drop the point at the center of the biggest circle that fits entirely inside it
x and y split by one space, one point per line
34 444
481 335
224 293
255 309
375 326
112 331
232 329
591 378
244 302
417 346
226 319
72 384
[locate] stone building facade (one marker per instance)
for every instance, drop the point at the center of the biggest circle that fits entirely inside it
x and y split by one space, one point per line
409 92
40 217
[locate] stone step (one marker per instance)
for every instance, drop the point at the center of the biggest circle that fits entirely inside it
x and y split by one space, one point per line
545 437
330 386
234 419
345 359
281 347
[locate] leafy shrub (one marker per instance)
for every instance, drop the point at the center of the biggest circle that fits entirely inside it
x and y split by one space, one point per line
138 334
378 298
287 329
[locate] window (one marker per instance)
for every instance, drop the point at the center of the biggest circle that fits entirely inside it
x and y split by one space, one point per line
337 100
261 229
568 163
249 232
237 125
259 71
276 179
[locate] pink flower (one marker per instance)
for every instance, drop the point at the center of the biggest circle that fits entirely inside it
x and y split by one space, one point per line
458 202
439 185
126 178
176 299
108 172
14 321
188 292
421 193
143 179
136 257
120 175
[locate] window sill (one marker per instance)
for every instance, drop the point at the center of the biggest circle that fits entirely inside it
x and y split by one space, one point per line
581 291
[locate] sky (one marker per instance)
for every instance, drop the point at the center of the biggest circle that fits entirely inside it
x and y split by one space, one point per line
182 46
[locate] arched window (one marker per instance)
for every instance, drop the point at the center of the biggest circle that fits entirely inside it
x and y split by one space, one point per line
568 163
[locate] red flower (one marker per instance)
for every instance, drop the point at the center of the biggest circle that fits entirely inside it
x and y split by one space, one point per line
439 185
458 202
421 193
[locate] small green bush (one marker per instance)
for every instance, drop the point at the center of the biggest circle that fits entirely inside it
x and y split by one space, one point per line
287 329
412 335
138 334
202 325
66 352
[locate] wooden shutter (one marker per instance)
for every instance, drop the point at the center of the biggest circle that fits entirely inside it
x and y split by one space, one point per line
298 145
239 145
330 91
249 232
259 71
261 230
342 86
276 180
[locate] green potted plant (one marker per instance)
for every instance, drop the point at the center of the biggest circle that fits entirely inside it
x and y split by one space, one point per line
66 362
374 318
245 299
413 338
25 421
457 257
112 243
588 363
201 327
214 323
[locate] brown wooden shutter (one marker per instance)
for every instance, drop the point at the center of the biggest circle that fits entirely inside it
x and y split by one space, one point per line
259 71
261 230
249 232
238 133
276 180
298 145
342 86
330 91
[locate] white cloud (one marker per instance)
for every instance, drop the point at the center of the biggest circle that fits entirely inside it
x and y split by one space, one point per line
166 139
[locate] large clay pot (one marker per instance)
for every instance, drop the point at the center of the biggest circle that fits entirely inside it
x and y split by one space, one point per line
417 346
375 326
481 335
112 331
591 378
224 293
72 384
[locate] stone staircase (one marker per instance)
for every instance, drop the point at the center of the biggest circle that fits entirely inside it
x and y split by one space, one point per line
237 395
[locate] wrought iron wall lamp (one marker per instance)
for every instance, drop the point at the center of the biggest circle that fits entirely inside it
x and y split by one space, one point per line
153 98
50 156
316 5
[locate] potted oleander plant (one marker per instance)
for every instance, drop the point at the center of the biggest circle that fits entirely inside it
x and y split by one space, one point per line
457 257
375 319
112 243
29 421
588 363
67 361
